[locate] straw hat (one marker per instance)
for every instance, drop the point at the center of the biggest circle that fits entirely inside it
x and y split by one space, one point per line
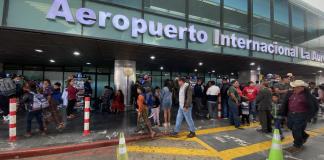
298 83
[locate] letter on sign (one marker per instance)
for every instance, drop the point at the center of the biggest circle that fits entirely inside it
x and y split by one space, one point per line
86 16
55 11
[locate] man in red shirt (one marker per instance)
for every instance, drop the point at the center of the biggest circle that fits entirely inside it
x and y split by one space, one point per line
250 92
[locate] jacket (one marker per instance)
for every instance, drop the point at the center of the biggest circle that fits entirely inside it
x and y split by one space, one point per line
188 97
224 90
264 100
87 89
312 105
199 91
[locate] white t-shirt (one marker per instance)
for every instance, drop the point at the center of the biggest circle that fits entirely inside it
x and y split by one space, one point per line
213 90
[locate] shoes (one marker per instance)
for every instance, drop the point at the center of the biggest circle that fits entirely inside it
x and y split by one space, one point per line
305 139
140 132
27 135
43 133
293 149
6 118
174 134
239 128
191 135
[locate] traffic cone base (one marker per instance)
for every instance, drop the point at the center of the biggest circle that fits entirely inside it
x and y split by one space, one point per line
122 150
276 148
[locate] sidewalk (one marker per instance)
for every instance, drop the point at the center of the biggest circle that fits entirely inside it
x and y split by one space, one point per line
104 128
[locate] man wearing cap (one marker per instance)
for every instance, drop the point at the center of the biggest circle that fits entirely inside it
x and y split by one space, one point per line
282 88
185 109
300 107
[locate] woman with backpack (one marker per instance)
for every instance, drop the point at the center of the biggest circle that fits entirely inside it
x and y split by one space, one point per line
34 102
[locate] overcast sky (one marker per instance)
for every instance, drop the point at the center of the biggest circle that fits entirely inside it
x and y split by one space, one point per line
319 4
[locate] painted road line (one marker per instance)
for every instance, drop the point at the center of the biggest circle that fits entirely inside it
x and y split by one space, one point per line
208 147
223 129
262 146
183 135
182 138
171 151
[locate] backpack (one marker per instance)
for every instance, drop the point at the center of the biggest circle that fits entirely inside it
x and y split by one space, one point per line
7 87
39 102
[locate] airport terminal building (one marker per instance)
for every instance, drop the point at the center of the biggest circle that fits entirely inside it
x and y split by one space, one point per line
114 39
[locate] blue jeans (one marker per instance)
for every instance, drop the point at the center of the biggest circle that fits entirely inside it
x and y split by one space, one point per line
253 110
188 116
234 113
277 123
212 109
297 123
225 108
39 118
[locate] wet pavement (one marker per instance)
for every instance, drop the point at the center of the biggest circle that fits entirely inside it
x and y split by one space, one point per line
103 126
216 143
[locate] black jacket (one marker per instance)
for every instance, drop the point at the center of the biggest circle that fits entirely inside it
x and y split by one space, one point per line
312 104
198 91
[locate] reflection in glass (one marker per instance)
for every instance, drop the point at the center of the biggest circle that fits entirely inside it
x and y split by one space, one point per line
128 3
235 14
168 7
298 24
312 26
206 11
261 17
281 20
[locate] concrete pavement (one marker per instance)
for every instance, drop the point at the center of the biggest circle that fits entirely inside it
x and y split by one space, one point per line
223 142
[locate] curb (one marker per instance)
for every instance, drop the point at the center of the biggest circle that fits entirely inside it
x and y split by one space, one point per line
14 154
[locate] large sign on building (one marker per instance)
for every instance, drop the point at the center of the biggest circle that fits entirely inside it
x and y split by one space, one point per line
138 26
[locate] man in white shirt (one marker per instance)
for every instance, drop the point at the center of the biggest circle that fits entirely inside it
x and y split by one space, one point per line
213 99
185 109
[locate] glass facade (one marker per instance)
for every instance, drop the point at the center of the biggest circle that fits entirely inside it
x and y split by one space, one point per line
274 20
207 11
298 24
261 18
235 14
281 21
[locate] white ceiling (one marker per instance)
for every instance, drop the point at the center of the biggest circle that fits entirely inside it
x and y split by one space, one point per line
319 4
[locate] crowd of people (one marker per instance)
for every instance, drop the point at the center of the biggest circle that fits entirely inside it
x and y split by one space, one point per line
275 102
41 100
